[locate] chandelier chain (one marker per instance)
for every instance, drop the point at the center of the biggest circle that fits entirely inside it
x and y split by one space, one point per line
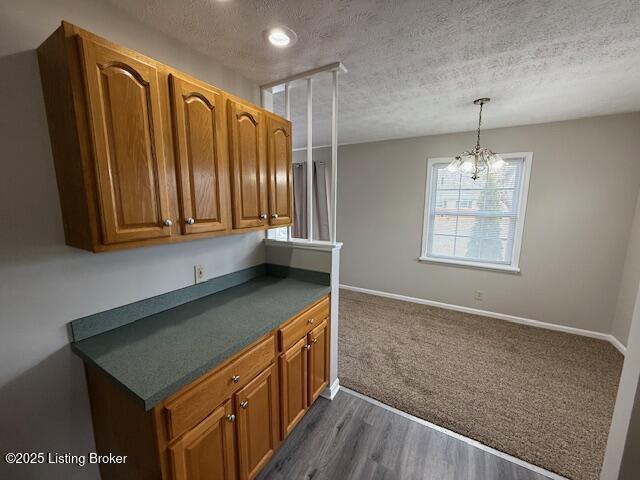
479 124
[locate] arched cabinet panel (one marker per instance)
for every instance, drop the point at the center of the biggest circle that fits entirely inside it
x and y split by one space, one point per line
126 132
280 175
248 166
202 166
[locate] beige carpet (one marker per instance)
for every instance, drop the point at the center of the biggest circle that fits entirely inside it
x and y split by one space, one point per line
543 396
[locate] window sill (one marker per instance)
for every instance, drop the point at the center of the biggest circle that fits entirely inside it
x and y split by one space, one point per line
477 265
305 244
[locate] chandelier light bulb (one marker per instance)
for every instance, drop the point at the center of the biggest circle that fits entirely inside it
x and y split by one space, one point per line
467 166
498 163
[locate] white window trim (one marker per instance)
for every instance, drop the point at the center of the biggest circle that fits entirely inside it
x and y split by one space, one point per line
514 267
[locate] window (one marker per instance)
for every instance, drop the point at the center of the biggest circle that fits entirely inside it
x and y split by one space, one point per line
476 223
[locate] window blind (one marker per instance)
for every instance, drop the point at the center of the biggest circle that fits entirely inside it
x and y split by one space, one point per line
475 220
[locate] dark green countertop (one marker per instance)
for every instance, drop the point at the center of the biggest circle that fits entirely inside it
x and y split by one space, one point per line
157 355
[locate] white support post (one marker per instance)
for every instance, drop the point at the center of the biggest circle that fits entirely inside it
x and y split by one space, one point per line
334 156
287 113
625 400
309 159
266 92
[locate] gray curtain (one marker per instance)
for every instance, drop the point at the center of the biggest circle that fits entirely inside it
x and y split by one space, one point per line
321 201
299 229
321 182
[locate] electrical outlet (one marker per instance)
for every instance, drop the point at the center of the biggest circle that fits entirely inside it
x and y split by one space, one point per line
478 295
198 271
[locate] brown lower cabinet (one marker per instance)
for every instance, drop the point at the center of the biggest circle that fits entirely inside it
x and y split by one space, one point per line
208 450
258 434
304 367
227 424
294 380
318 340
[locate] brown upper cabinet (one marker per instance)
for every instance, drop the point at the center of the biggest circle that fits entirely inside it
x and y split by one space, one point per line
279 152
248 165
146 154
123 103
202 166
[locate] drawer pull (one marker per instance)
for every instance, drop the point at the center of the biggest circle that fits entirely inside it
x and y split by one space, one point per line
244 405
308 347
311 321
235 378
231 417
314 340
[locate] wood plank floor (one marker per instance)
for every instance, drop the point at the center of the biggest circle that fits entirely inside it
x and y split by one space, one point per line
350 438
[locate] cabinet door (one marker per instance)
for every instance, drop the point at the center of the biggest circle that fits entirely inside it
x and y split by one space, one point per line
258 435
208 450
248 166
202 164
280 174
293 386
318 339
126 129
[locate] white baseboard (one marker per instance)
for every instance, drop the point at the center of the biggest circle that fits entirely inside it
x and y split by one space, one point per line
501 316
332 390
470 441
618 344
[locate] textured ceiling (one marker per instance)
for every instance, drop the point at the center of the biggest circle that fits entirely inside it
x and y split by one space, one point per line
415 65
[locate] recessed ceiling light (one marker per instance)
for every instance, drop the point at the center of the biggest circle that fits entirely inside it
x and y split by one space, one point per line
281 37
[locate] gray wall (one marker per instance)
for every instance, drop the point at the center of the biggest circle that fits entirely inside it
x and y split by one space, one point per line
306 259
582 197
629 283
43 283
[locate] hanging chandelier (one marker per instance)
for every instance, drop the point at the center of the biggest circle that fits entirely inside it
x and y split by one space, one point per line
479 160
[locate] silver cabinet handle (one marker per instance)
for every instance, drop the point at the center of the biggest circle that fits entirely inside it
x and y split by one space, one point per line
274 215
263 216
235 378
190 221
311 321
308 347
231 417
244 404
314 340
168 222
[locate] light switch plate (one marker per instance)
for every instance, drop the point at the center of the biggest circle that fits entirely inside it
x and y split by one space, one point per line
198 271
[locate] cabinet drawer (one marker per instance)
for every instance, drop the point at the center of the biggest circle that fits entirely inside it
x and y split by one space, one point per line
297 328
191 407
